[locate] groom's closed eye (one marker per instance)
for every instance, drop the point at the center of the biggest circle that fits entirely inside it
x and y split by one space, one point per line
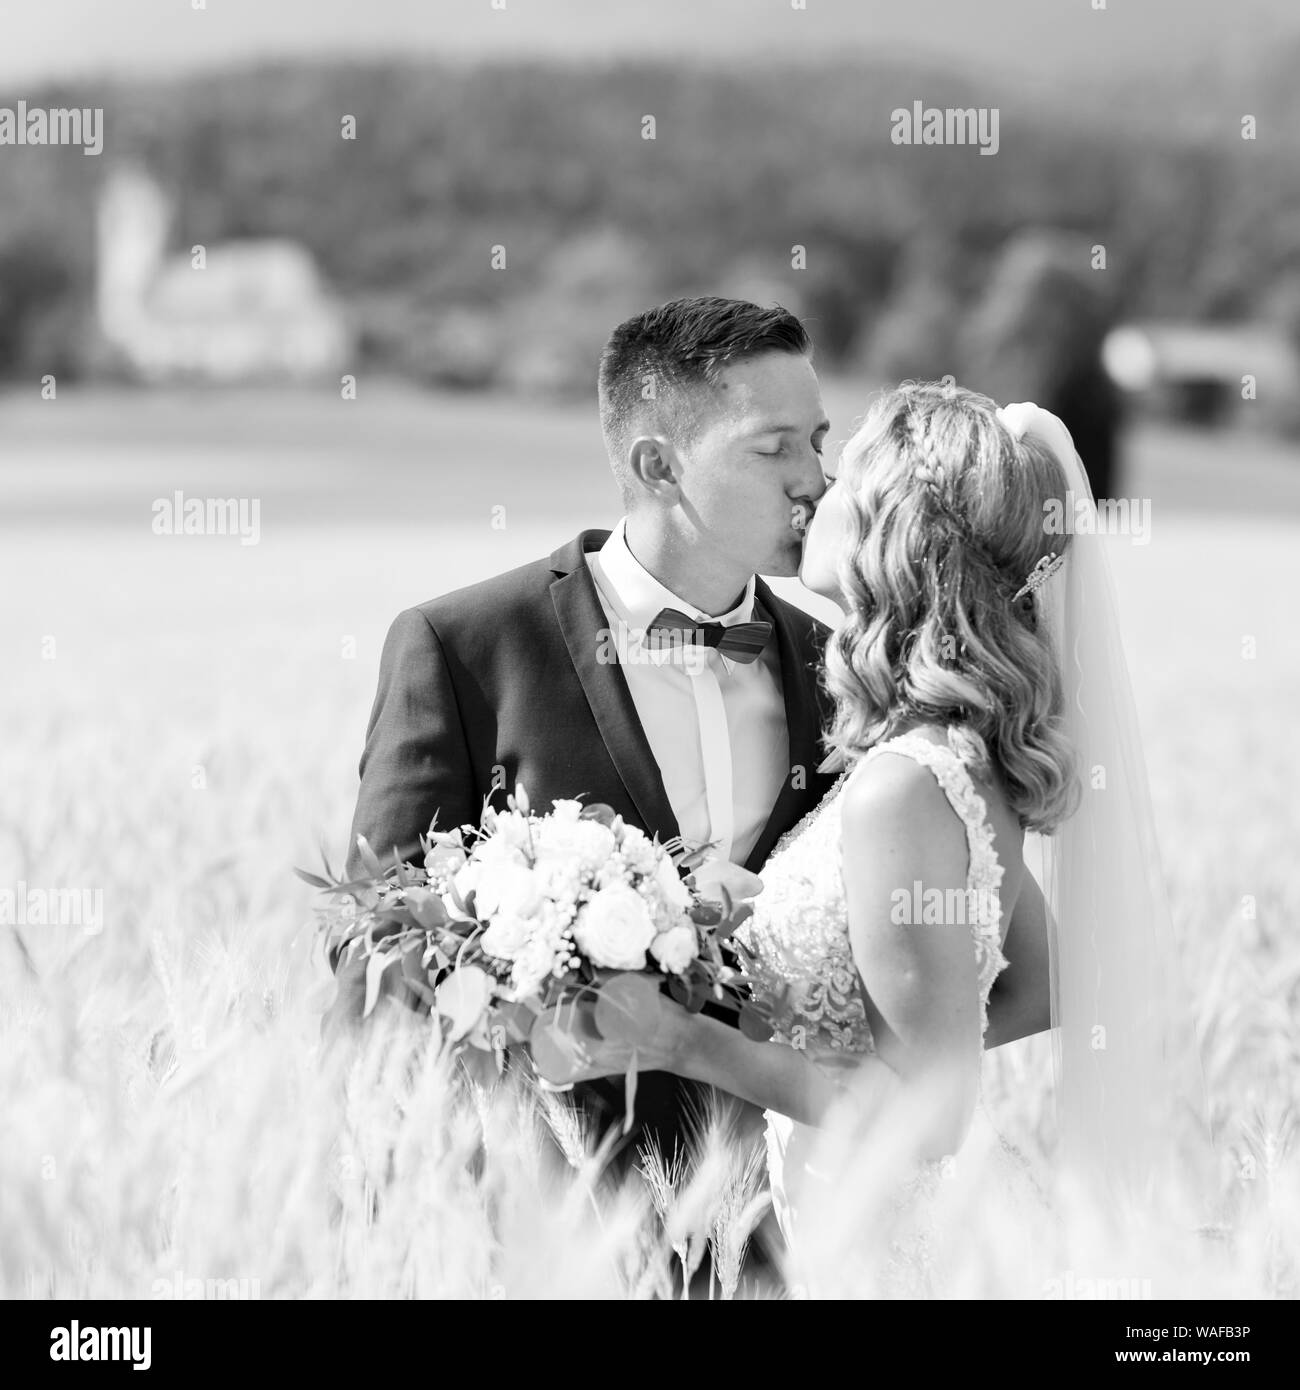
784 449
817 440
777 453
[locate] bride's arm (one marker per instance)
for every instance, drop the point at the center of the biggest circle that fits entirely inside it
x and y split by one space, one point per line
900 834
771 1075
898 831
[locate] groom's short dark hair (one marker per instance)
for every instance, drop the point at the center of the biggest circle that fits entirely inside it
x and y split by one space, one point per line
653 362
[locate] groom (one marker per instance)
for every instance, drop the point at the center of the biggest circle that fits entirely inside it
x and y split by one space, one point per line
714 424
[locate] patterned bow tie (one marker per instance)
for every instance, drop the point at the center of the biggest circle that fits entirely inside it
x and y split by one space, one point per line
741 643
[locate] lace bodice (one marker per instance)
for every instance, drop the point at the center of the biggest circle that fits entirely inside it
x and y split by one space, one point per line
799 932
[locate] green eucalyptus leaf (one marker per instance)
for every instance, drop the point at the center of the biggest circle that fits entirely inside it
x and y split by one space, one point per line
740 913
629 1095
627 1008
462 999
517 1018
754 1023
679 991
557 1049
376 965
693 858
369 858
426 908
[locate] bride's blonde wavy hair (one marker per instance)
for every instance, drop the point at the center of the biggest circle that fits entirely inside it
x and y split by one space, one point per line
946 521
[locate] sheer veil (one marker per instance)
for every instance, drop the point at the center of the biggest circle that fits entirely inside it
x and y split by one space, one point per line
1126 1061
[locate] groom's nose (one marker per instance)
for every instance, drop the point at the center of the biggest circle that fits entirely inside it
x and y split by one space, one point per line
809 483
815 488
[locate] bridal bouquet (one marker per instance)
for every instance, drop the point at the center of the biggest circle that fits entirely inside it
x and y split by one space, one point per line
507 922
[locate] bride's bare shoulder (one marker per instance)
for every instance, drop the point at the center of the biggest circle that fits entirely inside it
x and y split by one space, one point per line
893 802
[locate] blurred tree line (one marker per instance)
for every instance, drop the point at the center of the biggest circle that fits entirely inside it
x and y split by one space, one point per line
918 260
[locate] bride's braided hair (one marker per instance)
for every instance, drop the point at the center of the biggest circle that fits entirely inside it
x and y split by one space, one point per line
947 514
930 473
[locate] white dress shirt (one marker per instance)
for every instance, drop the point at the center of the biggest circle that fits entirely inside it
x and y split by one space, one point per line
716 727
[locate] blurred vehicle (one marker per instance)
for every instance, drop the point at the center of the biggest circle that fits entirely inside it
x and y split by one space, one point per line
1208 374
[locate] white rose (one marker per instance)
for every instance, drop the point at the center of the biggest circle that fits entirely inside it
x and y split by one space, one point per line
587 840
674 949
506 937
614 929
507 889
567 811
499 849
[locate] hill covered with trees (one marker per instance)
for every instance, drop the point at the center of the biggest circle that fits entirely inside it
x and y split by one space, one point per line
899 242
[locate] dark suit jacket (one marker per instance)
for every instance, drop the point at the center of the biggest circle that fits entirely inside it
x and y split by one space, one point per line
499 684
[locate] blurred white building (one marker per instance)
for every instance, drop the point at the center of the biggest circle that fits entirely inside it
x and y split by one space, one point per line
256 310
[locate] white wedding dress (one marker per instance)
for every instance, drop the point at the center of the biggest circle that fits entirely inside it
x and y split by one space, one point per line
799 937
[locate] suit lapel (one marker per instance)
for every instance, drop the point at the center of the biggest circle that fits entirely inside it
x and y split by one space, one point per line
581 619
803 727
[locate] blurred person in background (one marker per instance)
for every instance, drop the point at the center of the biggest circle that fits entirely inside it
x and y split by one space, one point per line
1036 334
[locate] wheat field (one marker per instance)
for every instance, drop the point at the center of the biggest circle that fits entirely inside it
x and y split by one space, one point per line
182 719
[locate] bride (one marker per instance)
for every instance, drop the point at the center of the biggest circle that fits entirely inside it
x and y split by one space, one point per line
981 695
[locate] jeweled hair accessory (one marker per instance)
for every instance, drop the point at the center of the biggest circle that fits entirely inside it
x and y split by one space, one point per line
1040 574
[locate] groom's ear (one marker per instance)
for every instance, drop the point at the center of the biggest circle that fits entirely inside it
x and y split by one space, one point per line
652 462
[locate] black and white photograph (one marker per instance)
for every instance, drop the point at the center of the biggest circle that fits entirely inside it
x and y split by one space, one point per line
650 655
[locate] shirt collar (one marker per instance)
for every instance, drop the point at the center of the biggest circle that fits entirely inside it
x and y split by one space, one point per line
640 596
